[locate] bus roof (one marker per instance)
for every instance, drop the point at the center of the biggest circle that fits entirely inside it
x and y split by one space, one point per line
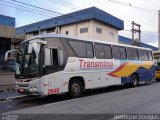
50 35
156 52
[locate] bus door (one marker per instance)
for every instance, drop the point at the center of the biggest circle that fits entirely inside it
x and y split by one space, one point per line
51 68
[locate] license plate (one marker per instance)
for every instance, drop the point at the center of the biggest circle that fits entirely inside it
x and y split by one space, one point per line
21 90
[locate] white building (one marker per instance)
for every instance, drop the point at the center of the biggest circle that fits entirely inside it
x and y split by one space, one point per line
91 23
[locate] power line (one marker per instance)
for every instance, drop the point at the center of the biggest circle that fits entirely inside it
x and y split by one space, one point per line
72 5
143 33
24 9
133 6
69 6
45 9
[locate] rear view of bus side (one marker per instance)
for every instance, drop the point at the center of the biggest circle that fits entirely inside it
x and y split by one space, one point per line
66 64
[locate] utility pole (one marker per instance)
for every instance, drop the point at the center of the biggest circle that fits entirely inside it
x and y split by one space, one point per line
136 41
158 29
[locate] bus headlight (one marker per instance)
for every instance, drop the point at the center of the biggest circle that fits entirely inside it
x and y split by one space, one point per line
31 89
34 88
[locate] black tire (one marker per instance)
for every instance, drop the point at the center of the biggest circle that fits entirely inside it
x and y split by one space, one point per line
158 79
134 80
75 88
147 82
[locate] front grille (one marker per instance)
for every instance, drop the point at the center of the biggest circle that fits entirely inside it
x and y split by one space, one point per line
23 85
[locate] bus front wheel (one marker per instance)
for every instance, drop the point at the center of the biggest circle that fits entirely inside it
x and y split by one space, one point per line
75 88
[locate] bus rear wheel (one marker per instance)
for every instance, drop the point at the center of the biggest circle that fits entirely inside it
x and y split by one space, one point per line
134 80
147 82
75 88
158 79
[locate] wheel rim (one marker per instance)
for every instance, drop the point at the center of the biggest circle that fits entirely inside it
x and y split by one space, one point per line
134 80
75 88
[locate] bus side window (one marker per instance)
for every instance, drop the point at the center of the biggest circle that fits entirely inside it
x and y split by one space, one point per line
132 53
150 55
143 55
99 51
51 57
108 51
119 52
54 56
90 53
79 48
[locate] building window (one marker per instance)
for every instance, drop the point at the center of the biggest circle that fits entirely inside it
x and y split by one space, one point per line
111 34
51 30
67 32
98 30
83 30
35 33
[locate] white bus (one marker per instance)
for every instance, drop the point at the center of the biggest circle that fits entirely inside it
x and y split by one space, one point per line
54 64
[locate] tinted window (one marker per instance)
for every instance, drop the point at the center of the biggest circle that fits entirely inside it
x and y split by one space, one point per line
150 55
89 50
143 55
119 52
99 51
99 30
107 51
79 48
132 54
84 30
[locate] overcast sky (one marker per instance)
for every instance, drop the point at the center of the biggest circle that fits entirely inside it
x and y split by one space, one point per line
143 12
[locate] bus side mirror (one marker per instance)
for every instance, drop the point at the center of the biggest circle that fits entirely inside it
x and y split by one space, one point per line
10 51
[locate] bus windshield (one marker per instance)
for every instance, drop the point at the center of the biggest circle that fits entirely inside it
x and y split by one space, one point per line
158 64
28 61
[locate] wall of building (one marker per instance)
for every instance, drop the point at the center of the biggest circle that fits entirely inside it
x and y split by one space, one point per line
108 33
104 32
7 35
7 31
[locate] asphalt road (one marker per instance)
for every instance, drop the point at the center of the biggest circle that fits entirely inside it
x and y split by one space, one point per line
96 104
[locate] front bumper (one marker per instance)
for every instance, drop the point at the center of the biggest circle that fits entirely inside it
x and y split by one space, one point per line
157 75
32 87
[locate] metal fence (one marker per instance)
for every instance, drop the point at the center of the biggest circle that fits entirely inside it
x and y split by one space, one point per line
7 81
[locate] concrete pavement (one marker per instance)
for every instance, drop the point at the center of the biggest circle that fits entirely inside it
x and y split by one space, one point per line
9 95
144 99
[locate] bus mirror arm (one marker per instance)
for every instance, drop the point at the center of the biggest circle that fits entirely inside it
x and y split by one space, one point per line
10 51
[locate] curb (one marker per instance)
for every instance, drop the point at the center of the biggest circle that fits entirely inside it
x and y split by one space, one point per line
12 98
15 97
